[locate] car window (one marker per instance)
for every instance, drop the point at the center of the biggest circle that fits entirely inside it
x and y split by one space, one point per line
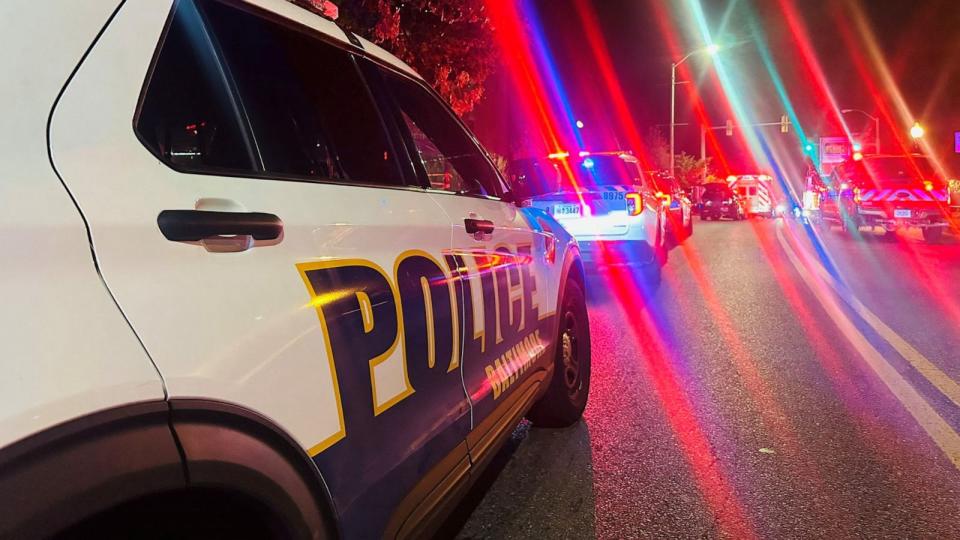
533 177
714 191
302 100
451 159
188 116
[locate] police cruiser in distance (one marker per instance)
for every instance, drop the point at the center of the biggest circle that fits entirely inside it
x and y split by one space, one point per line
604 201
298 309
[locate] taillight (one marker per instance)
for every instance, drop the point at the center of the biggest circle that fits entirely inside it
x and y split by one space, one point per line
928 185
634 204
856 196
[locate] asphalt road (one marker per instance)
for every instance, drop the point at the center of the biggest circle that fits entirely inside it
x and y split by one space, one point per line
779 383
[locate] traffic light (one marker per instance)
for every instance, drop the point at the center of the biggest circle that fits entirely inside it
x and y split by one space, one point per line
784 124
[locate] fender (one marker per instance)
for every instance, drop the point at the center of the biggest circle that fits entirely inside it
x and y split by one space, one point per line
60 476
228 446
57 478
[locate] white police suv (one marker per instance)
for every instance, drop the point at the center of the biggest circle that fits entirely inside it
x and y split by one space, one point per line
258 280
604 201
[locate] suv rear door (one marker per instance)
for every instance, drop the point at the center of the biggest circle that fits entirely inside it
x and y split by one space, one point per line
263 242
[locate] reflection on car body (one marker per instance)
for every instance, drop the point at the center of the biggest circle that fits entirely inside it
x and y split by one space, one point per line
305 306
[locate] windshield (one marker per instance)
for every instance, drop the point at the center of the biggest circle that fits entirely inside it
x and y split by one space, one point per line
895 169
717 191
604 171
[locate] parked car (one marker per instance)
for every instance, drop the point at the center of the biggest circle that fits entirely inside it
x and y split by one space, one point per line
603 200
720 201
680 209
260 281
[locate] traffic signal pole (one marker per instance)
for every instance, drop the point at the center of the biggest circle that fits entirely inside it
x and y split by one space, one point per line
784 125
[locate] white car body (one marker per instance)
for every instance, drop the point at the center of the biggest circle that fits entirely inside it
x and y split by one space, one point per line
101 311
605 229
756 192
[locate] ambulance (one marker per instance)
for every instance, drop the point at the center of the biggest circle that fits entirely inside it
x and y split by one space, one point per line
756 192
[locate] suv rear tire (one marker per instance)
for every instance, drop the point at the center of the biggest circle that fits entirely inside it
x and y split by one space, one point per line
190 513
566 397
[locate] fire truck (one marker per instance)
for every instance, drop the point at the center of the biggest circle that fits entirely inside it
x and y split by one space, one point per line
890 192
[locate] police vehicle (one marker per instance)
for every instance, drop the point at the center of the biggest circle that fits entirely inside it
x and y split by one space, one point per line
605 202
258 281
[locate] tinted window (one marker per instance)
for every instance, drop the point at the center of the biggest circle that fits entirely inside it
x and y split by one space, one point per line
308 106
188 116
451 159
605 171
717 191
532 177
302 101
893 170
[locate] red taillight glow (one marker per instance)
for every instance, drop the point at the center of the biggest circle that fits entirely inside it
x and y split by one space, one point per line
634 204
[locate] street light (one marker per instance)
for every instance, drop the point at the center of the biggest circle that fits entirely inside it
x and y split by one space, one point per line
917 131
711 49
876 126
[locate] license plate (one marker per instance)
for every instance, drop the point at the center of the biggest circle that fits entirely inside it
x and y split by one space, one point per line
566 210
898 213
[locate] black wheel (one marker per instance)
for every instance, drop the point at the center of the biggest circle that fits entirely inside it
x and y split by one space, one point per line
566 396
932 235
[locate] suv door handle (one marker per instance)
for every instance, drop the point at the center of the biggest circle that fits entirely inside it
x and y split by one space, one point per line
196 225
474 226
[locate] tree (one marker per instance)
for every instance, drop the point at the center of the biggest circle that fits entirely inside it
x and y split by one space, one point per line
659 148
448 42
690 170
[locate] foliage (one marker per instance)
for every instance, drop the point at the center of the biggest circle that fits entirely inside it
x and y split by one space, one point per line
690 170
448 42
659 148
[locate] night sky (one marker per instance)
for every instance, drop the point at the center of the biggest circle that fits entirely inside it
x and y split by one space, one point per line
918 40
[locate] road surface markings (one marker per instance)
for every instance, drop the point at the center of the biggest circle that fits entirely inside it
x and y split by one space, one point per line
926 416
947 386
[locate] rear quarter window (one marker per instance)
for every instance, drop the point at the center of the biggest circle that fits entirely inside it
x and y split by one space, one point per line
234 92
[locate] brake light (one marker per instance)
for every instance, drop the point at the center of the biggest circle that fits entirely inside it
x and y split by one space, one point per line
928 185
634 204
856 196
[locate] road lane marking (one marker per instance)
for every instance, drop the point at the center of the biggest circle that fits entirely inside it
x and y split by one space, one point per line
947 386
926 416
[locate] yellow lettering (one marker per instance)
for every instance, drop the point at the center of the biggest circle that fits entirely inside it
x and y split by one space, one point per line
494 383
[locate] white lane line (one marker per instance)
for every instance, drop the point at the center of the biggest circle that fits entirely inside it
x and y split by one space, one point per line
947 386
936 427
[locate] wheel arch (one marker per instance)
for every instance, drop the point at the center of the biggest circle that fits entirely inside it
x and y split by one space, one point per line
75 471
